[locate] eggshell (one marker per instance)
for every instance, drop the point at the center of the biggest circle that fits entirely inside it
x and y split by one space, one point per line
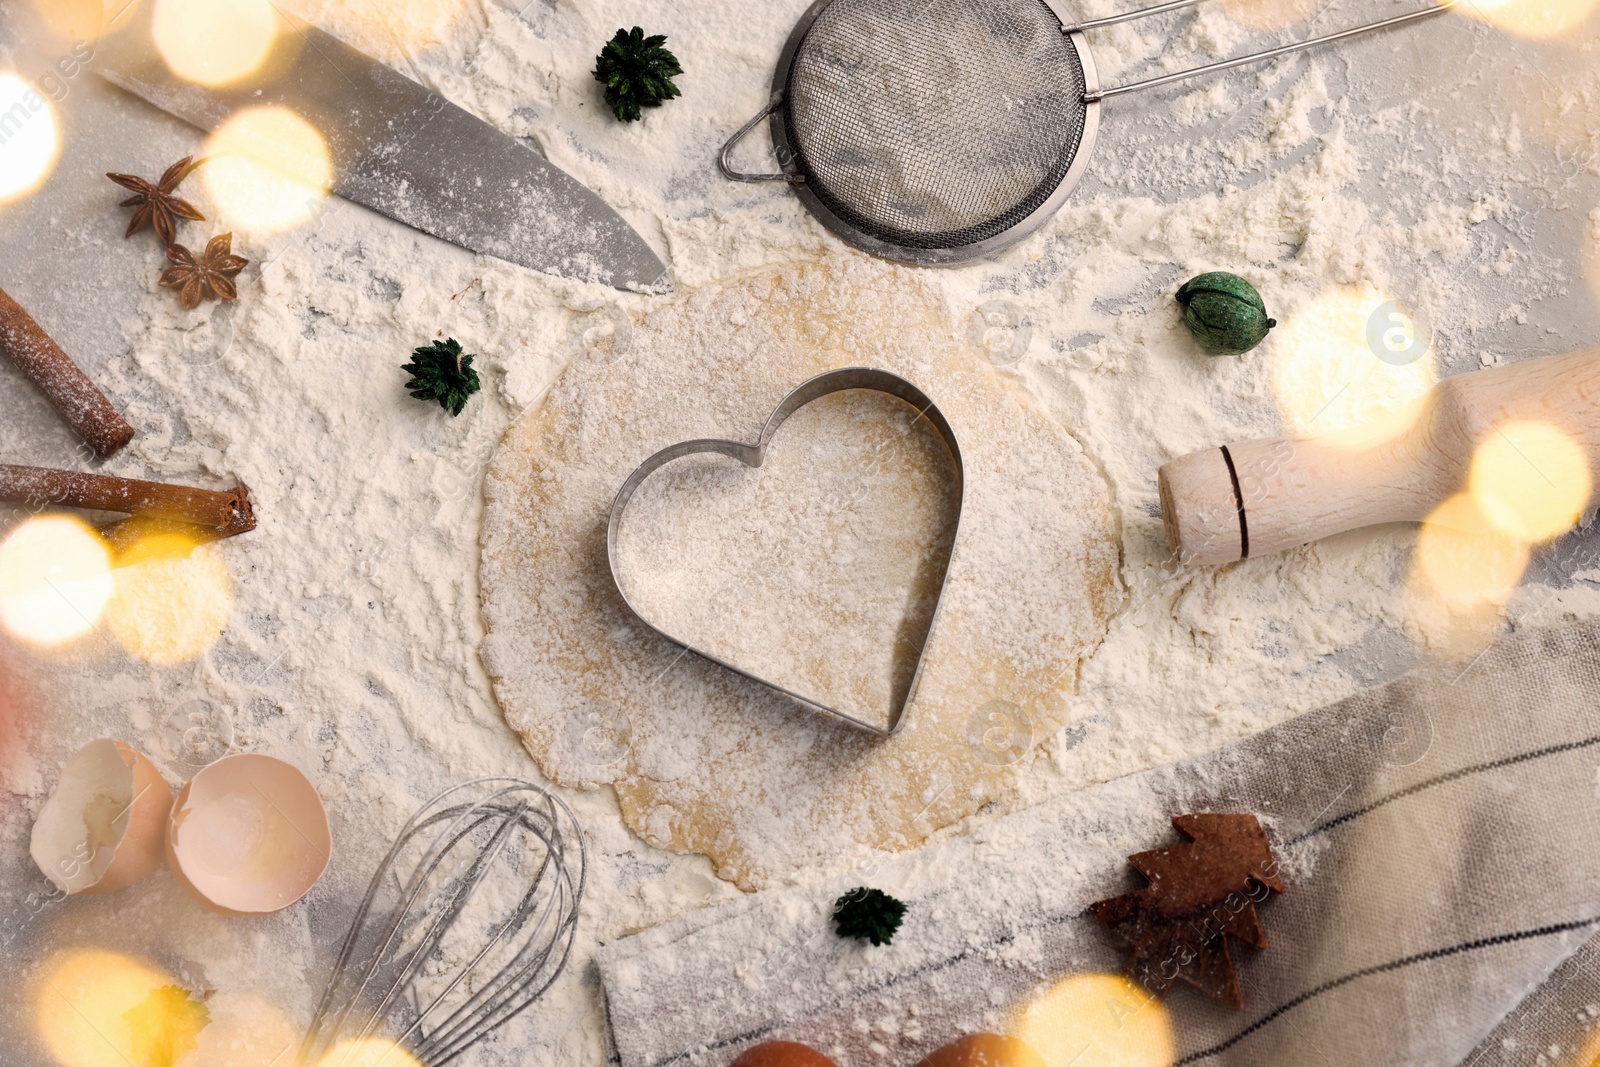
102 829
782 1054
248 836
985 1050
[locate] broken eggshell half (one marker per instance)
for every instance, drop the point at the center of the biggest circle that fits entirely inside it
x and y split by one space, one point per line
102 829
248 836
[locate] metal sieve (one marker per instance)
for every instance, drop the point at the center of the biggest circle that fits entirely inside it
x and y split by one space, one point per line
941 131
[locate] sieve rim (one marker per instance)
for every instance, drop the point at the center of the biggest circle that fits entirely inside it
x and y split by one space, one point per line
934 257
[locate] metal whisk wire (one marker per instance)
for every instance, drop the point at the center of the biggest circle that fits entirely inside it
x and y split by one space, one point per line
514 815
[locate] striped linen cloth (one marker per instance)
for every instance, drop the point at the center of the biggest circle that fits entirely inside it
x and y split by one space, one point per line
1440 837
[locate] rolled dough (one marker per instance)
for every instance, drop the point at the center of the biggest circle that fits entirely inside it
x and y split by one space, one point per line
702 759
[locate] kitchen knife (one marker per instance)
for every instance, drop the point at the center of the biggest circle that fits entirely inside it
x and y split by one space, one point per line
404 151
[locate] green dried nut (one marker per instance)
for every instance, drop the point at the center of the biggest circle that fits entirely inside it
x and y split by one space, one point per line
1225 313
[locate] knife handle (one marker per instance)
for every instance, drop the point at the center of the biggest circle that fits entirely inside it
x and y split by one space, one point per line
1257 498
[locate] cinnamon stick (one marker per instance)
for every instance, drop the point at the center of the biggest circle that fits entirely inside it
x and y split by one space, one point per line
69 390
125 534
228 513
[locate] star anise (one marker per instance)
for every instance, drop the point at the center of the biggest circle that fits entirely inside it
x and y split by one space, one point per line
212 275
156 204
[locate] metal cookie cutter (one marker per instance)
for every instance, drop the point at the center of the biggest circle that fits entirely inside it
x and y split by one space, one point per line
755 455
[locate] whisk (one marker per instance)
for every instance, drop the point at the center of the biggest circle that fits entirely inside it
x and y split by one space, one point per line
489 872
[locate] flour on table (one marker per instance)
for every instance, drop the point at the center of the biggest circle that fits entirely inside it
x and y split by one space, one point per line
352 649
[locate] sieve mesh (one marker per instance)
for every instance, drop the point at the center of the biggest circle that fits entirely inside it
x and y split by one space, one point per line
935 124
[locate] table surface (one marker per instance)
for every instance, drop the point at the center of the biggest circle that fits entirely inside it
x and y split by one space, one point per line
62 257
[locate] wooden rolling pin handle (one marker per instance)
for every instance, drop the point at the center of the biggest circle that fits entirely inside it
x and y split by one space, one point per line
68 389
1257 498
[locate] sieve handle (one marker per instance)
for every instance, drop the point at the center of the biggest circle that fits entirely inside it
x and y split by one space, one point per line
1257 498
725 160
1258 57
1142 13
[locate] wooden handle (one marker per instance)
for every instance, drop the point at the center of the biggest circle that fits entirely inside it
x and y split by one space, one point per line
1260 497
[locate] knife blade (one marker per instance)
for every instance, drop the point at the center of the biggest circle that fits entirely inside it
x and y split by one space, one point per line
406 152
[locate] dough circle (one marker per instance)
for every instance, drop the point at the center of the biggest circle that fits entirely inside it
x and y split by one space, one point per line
701 759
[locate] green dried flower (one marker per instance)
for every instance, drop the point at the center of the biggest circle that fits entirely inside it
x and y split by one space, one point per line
637 73
1225 313
440 372
868 915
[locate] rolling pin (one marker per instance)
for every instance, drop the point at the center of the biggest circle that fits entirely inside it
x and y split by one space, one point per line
1257 498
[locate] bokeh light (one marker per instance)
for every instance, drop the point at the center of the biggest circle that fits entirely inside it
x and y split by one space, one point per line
1097 1020
1464 560
30 137
214 42
245 1031
55 580
72 20
1532 18
1590 253
1588 1054
270 171
1329 377
1269 14
173 599
1567 120
1463 576
391 30
83 999
368 1052
15 711
1530 481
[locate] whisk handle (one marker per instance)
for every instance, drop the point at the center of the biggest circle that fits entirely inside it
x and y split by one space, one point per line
1261 497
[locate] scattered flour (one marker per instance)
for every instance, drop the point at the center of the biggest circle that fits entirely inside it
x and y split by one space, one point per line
352 648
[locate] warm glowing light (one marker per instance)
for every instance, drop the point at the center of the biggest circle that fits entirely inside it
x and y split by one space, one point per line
1532 18
55 580
173 599
1589 1052
30 138
73 20
84 999
368 1052
214 42
394 29
1531 481
1464 575
245 1031
1591 252
270 171
16 713
1351 361
1269 14
1097 1020
1464 560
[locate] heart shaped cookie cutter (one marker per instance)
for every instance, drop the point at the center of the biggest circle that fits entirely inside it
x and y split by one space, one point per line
755 455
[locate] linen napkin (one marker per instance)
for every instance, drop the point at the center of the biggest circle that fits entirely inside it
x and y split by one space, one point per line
1440 837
